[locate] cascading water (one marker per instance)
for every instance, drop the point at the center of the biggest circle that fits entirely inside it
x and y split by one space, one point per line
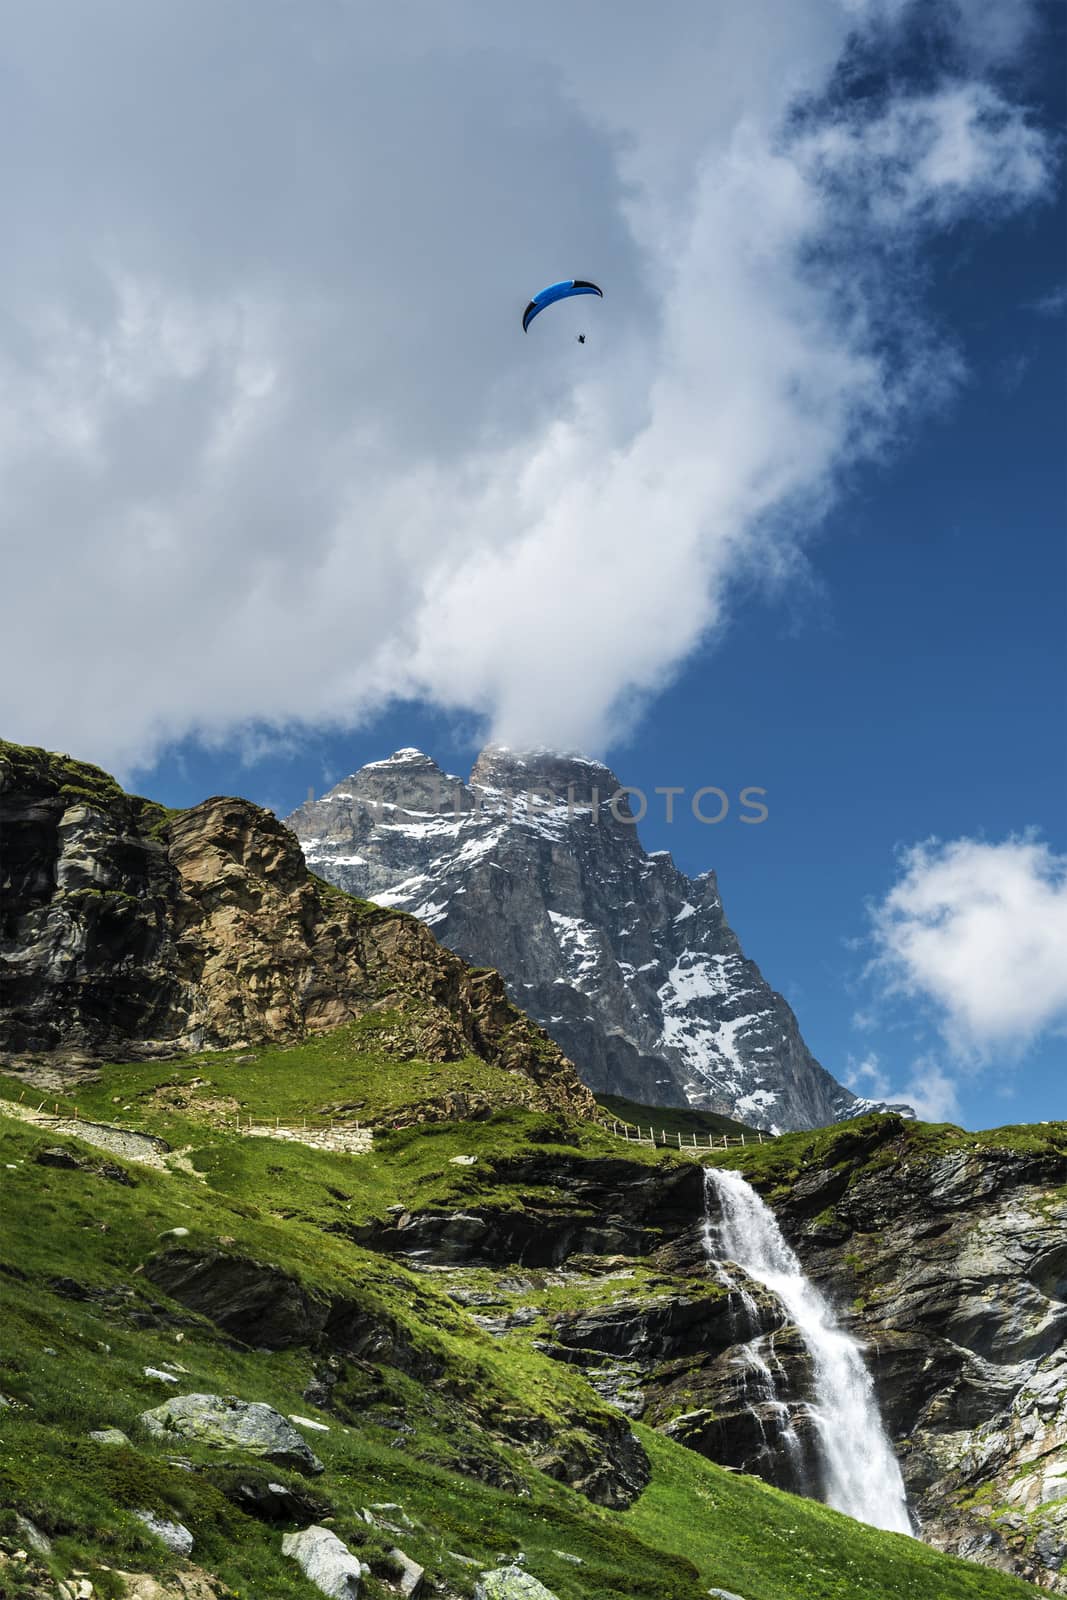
861 1476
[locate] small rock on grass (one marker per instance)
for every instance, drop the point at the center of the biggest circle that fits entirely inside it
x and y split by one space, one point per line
325 1561
31 1536
175 1535
411 1574
109 1436
511 1583
308 1422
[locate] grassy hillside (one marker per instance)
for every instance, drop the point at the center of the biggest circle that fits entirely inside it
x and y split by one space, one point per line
878 1142
436 1415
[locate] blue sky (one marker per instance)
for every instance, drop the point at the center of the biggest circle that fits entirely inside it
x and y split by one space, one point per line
293 490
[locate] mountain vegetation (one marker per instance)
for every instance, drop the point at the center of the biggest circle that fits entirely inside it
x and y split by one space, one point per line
322 1272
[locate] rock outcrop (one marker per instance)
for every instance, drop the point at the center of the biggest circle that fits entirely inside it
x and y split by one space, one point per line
126 931
267 1308
943 1253
535 868
951 1256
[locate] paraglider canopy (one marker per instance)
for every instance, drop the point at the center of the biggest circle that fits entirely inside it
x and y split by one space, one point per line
557 291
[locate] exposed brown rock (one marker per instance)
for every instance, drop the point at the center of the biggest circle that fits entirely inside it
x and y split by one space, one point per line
127 933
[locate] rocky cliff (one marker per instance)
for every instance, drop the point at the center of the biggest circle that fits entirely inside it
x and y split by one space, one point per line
950 1253
628 964
127 931
944 1253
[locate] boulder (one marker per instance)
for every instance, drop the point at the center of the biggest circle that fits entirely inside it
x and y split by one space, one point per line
231 1424
274 1502
109 1436
57 1156
511 1583
31 1536
71 1161
175 1535
325 1561
411 1575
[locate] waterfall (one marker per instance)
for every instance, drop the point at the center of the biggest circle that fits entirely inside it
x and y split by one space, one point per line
860 1473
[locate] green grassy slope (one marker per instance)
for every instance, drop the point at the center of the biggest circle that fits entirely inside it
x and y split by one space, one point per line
874 1142
81 1322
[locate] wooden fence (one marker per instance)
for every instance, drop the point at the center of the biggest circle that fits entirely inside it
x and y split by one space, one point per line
247 1124
633 1134
49 1110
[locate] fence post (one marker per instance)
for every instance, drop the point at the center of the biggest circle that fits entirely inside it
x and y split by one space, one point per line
742 1138
760 1135
725 1145
679 1140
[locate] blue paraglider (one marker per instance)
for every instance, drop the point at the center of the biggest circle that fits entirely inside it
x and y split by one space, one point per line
554 292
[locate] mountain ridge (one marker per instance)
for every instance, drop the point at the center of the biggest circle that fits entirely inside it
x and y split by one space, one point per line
531 866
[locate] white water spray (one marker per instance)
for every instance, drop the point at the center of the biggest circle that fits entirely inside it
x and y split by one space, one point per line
860 1471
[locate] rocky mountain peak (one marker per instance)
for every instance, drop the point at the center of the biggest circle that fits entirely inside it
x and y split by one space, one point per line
543 772
535 867
408 778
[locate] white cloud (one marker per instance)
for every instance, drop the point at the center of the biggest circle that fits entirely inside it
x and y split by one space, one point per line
933 1092
272 445
932 157
977 932
930 1091
1053 304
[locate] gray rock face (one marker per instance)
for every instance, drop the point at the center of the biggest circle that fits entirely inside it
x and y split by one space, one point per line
943 1253
325 1562
954 1264
629 965
231 1424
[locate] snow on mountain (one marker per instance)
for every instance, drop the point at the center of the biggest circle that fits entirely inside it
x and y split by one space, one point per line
630 965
